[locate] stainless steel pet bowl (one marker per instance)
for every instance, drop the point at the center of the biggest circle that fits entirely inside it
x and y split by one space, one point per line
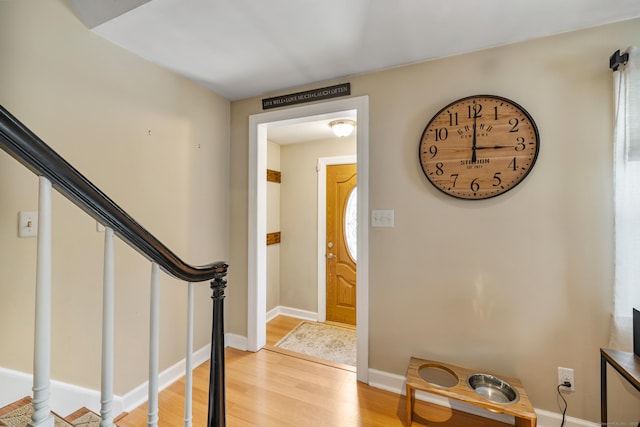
493 388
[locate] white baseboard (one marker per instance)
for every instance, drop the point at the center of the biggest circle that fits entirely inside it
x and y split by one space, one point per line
551 419
139 395
292 312
66 398
15 386
70 398
397 383
236 341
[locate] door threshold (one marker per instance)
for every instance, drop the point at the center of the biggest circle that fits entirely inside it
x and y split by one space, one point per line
301 356
341 325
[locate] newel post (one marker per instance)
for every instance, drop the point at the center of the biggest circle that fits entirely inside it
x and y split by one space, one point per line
216 416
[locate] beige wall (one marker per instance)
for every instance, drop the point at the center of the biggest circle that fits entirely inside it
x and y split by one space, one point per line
519 284
299 213
95 104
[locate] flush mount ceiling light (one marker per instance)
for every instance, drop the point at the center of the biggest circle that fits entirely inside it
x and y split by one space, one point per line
342 127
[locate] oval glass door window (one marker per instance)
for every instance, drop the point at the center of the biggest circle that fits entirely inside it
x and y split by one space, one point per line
351 223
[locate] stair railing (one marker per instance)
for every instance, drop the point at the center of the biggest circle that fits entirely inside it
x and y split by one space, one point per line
54 172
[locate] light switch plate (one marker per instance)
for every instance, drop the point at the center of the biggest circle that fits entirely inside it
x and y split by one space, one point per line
382 218
27 224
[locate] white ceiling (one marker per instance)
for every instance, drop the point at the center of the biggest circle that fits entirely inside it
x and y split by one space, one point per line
311 129
246 48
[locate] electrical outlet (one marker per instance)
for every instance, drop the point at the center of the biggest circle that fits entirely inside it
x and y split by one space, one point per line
566 375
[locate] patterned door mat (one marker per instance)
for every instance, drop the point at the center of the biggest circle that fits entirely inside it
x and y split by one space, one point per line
324 341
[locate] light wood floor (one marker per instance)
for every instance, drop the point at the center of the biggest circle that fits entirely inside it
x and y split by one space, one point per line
279 327
273 389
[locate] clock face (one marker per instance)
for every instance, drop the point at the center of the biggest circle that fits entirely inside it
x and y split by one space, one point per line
479 147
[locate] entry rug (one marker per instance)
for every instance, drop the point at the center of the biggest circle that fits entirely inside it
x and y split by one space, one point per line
323 341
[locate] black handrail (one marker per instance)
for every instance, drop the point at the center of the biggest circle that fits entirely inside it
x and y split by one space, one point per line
22 144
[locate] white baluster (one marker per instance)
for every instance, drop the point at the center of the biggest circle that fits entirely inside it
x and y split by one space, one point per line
106 408
189 362
42 343
154 346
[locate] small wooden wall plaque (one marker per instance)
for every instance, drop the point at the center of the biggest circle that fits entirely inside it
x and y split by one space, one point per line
274 176
273 238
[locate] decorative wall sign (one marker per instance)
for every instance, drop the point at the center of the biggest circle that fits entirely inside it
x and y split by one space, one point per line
328 92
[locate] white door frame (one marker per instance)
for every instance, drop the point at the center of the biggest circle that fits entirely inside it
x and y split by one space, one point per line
323 162
256 304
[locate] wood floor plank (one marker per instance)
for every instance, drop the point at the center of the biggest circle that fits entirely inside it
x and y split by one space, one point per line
269 389
280 326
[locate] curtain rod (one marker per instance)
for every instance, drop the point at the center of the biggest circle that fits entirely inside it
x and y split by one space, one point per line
617 59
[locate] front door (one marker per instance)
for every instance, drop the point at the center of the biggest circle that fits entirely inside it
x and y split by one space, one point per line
341 243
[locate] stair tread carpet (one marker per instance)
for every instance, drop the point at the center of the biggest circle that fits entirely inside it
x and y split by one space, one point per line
83 417
18 414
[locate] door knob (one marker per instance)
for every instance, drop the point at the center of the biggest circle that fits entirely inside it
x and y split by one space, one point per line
330 255
330 245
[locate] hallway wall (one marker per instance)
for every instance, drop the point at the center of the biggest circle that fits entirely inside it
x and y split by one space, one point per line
156 143
519 284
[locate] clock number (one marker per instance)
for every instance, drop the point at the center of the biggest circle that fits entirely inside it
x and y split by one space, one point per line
453 119
474 185
433 150
455 178
441 134
521 145
514 125
495 113
496 176
439 170
513 165
476 108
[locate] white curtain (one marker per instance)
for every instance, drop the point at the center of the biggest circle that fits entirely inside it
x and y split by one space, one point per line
627 200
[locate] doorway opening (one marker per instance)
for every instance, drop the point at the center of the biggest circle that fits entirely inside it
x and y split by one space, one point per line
259 126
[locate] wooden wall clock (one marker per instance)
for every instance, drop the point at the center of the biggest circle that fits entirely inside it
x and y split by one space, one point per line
479 147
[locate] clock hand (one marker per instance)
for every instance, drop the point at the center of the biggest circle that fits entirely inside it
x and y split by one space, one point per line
494 146
473 148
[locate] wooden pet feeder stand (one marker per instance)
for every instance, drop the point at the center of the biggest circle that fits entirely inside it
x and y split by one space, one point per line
497 394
